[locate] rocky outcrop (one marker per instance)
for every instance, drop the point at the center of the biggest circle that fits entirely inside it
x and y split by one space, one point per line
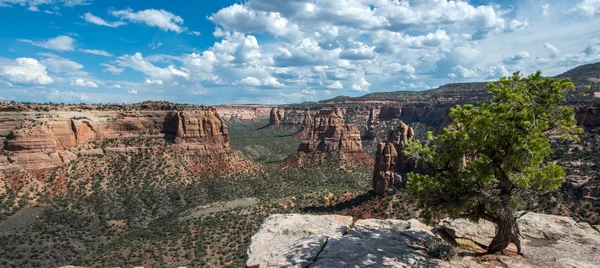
293 240
57 138
246 112
391 164
307 125
588 116
371 124
320 241
591 192
329 133
276 116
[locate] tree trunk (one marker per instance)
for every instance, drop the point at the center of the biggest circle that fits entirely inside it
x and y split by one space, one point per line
506 218
508 232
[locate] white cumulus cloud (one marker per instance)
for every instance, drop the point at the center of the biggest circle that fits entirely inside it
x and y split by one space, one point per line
96 52
91 18
82 83
60 43
162 19
26 71
153 82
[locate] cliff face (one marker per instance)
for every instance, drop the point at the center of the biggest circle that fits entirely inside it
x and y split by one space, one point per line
307 125
276 116
588 116
243 112
46 140
329 133
390 161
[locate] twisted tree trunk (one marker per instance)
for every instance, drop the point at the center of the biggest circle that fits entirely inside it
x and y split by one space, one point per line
506 218
507 232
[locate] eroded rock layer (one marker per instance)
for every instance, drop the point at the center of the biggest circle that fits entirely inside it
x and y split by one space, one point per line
329 133
40 140
390 161
276 116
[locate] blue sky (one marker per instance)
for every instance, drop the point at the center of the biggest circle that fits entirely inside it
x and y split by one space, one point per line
279 51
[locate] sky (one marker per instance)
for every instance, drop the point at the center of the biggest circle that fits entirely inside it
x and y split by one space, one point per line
279 51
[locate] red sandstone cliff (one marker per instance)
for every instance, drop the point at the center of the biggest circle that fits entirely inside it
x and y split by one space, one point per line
329 133
390 161
50 139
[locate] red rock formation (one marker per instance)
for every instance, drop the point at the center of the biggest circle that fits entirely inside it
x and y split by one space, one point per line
307 125
329 133
57 140
199 130
591 192
390 161
588 116
244 112
371 123
277 115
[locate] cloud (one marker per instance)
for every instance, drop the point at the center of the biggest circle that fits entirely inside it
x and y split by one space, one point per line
155 46
498 71
361 85
138 63
96 52
516 25
132 92
240 18
59 43
462 72
268 82
89 17
588 8
251 81
162 19
57 64
553 51
153 82
335 85
25 71
33 4
517 58
82 83
112 69
546 10
67 96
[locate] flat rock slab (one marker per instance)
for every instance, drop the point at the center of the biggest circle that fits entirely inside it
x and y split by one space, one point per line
547 240
382 243
326 241
294 240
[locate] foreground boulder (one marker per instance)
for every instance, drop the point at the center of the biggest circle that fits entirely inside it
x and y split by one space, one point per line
323 241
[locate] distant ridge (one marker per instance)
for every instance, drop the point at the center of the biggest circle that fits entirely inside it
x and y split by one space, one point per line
582 76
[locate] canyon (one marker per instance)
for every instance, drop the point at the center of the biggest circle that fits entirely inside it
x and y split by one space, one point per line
137 181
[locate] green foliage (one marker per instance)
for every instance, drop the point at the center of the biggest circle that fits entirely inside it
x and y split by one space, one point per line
440 249
496 151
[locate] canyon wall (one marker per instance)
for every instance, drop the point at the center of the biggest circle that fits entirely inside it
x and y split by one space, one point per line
329 133
45 139
588 116
246 112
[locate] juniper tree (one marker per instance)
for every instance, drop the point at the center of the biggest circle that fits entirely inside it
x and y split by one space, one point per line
493 153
